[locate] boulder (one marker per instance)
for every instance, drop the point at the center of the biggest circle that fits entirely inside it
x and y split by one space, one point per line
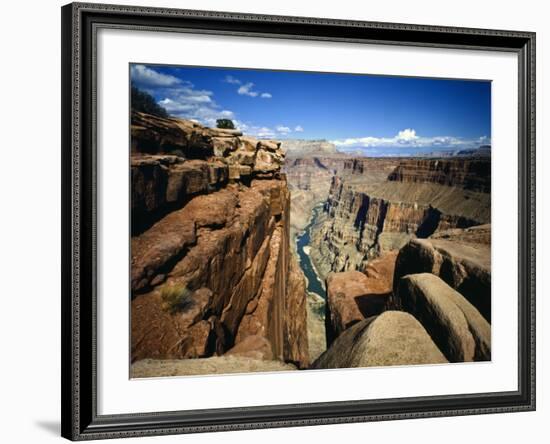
456 326
349 300
392 338
465 267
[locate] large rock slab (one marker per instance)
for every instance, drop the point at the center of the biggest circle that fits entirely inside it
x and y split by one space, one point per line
465 267
393 338
456 326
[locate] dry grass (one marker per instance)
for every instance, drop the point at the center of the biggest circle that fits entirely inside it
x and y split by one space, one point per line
176 298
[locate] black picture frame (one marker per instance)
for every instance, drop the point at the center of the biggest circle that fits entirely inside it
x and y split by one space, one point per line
80 22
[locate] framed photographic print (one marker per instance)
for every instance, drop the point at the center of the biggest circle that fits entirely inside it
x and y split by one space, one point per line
277 221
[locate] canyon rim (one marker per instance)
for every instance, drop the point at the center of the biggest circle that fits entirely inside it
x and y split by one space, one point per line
288 221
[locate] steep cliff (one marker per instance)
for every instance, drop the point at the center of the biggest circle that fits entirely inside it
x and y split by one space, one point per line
211 268
367 214
309 179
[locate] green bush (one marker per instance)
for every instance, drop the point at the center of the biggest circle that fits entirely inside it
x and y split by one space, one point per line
225 124
176 298
144 102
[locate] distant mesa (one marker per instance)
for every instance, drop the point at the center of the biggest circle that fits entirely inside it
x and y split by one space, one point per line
302 147
482 151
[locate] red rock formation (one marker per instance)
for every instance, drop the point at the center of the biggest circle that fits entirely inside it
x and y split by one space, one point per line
342 308
211 266
353 296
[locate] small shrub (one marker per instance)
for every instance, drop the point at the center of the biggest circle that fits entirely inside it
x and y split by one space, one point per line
225 124
146 103
176 298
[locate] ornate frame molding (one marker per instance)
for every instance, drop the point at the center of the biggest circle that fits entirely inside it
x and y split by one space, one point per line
80 22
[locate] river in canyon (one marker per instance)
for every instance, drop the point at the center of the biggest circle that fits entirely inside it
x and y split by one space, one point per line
314 283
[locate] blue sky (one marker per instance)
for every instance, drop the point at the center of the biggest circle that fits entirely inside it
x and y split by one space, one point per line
377 115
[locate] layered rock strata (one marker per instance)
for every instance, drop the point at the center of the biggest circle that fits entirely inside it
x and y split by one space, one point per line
364 216
471 174
211 269
309 181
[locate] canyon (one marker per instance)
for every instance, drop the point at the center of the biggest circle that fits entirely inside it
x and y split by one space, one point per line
263 255
377 224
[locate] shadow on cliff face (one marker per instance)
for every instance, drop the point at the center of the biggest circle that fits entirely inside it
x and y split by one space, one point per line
430 224
371 304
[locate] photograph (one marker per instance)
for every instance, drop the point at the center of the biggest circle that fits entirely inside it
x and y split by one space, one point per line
285 220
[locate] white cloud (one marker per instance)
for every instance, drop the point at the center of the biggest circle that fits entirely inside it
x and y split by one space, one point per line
283 129
146 77
246 90
408 138
232 80
193 104
298 129
263 132
407 134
